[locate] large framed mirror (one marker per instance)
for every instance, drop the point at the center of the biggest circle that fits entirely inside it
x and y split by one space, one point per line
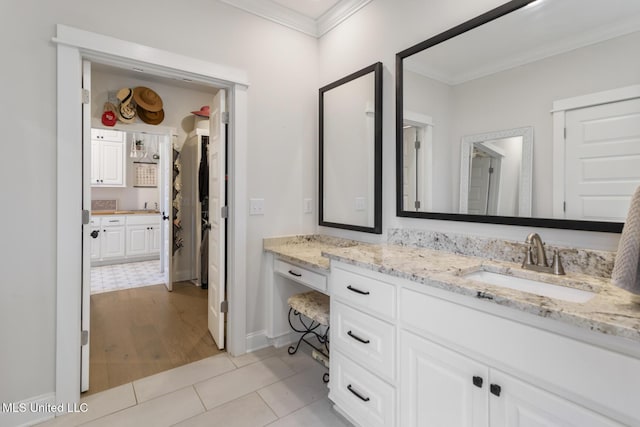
350 165
526 115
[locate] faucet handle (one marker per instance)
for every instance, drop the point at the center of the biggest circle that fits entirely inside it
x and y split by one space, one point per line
528 256
556 265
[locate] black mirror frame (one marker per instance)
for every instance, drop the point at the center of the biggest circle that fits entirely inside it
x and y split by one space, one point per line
377 226
567 224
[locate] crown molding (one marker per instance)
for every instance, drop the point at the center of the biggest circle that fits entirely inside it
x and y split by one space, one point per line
338 13
282 15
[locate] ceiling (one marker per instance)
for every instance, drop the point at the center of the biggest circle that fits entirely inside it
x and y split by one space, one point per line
537 31
312 17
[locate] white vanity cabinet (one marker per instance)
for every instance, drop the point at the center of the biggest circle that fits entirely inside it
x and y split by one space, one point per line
461 361
363 347
108 158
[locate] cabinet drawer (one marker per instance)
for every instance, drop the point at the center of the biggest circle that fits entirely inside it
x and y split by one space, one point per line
112 220
301 275
143 219
364 292
366 398
107 135
369 341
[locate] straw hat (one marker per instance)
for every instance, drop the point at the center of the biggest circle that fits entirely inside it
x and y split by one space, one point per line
150 117
126 111
147 99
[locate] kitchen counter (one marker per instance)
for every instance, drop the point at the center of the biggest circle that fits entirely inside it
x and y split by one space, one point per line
611 311
124 212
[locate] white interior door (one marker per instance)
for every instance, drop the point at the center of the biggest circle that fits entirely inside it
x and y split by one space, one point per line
86 228
602 155
166 200
479 185
217 184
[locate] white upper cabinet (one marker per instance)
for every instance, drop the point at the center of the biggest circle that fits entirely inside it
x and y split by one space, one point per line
108 158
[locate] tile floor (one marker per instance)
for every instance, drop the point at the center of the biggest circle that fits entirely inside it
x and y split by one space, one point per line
125 276
265 388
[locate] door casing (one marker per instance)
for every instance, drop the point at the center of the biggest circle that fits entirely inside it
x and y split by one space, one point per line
74 45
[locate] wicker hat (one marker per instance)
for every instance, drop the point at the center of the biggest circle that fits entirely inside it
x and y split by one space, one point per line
147 99
150 117
126 111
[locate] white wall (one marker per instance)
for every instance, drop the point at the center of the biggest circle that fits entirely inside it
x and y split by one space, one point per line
282 67
376 33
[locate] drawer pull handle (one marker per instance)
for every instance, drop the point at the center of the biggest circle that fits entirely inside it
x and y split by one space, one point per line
357 338
357 291
295 274
358 395
114 220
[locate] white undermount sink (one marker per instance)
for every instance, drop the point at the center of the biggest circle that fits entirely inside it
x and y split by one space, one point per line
531 286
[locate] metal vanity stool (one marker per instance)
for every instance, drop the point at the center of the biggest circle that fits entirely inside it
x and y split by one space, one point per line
312 311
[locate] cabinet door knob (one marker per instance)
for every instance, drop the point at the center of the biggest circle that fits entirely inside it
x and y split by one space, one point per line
477 381
495 389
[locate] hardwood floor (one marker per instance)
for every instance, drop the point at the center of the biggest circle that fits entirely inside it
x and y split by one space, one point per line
140 332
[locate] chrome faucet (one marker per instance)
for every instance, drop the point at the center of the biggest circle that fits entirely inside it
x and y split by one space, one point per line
541 264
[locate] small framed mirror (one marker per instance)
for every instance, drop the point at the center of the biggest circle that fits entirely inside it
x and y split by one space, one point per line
350 168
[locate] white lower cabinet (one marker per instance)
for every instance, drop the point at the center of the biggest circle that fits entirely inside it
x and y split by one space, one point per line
522 405
439 387
452 361
365 398
121 238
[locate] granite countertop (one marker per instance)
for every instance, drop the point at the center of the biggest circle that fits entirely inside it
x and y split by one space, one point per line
306 249
125 212
612 311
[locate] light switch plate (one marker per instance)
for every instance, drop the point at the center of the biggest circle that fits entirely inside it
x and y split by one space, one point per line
308 206
360 203
256 206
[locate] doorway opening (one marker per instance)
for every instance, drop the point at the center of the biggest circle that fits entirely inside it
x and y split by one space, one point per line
74 45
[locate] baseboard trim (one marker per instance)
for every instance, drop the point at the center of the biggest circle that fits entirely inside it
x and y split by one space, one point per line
259 340
31 411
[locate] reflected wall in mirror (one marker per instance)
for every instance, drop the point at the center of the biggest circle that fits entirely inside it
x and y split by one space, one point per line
351 152
544 65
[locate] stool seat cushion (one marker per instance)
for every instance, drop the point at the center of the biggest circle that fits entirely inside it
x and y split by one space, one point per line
313 304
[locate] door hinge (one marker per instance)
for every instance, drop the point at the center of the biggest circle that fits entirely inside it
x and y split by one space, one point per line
417 204
225 117
224 306
86 217
565 133
564 206
86 96
491 170
224 212
417 145
84 338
